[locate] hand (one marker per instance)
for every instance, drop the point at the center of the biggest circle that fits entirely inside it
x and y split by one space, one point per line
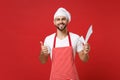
86 48
44 49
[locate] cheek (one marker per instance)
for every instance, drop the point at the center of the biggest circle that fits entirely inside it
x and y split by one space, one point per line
66 22
55 22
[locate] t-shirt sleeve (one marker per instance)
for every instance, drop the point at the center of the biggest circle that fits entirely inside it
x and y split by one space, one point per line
46 43
79 45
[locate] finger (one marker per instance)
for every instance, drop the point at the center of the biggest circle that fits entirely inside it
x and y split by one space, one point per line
87 47
41 43
45 51
87 50
86 44
44 47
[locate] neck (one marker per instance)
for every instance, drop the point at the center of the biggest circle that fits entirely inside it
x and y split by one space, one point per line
62 34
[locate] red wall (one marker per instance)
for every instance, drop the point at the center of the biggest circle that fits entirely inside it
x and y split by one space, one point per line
23 23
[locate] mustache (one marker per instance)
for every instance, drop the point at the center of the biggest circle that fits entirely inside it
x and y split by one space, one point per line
61 29
61 23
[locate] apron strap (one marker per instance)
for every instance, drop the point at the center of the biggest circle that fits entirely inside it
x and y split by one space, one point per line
54 43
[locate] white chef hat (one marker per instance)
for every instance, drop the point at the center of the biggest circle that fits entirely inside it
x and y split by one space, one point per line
62 12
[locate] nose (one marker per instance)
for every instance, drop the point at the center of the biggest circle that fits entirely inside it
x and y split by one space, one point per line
61 21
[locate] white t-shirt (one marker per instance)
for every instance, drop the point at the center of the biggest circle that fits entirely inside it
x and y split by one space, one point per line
75 42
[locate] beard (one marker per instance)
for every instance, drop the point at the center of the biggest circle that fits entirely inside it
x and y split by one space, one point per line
61 26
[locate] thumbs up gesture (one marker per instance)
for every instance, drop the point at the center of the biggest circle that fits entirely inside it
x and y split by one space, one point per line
44 49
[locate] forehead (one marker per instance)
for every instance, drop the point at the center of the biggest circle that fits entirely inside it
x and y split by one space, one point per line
60 17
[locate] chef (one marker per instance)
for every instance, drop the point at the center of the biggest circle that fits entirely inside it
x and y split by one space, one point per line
62 46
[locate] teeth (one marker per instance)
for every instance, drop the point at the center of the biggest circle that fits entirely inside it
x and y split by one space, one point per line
61 25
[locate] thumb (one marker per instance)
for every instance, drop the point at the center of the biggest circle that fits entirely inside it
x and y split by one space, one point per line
41 43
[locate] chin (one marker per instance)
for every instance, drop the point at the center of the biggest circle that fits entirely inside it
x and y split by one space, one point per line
62 28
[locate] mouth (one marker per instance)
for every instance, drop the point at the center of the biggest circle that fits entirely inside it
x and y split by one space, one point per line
61 26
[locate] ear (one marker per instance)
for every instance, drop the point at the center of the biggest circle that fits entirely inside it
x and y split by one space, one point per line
54 21
67 20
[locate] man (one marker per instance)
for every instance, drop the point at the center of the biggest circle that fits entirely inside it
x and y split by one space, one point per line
62 47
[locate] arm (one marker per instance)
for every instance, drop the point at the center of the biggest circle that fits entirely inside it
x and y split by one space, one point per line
44 53
83 55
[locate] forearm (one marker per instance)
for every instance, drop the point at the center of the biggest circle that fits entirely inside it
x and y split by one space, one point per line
43 57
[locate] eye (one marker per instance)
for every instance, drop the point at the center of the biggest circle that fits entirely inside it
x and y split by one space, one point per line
64 19
57 19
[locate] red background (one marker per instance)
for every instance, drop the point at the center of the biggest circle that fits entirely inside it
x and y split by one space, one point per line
23 23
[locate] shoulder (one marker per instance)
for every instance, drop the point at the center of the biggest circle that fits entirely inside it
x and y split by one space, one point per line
50 37
74 35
